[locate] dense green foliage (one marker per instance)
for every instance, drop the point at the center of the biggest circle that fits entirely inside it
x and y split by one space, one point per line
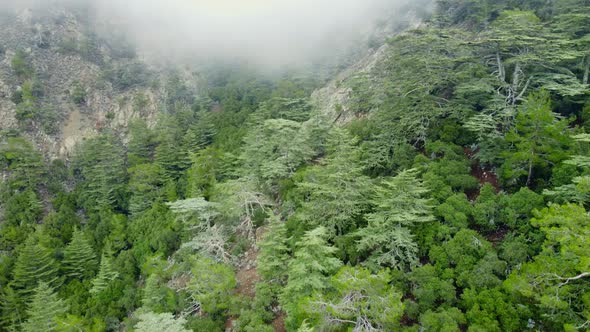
455 198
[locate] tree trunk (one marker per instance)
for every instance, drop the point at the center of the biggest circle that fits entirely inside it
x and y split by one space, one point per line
586 70
515 83
501 71
530 175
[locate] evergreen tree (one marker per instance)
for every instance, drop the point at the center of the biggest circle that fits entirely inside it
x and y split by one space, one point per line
144 184
212 285
200 134
106 274
486 210
308 271
79 257
556 280
157 297
305 327
165 322
100 164
202 175
335 196
447 320
19 156
12 309
275 150
44 309
142 143
360 300
538 139
172 158
274 253
34 264
400 207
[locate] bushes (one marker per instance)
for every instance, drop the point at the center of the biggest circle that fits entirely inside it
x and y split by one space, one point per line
127 76
78 94
21 65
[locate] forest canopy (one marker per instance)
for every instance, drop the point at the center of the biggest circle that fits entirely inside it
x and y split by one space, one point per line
454 198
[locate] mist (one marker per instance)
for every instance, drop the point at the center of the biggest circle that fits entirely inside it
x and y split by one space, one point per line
268 32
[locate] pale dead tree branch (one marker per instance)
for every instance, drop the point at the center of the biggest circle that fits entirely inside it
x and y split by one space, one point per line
194 307
211 241
524 89
554 276
180 284
578 277
363 324
249 201
583 326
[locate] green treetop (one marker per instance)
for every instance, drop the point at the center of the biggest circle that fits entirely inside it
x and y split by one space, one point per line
79 257
44 309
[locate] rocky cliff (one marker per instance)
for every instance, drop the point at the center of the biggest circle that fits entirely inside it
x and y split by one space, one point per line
83 81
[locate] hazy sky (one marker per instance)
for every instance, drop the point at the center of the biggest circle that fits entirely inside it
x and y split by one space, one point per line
268 31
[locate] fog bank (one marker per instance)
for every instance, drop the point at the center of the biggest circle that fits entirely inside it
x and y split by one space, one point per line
272 32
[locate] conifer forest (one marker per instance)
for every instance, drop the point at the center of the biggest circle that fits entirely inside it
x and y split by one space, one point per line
431 176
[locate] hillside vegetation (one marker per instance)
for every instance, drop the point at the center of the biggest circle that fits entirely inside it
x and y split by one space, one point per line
442 184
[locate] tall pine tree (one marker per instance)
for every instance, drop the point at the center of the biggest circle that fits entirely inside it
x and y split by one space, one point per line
12 310
274 253
106 274
308 271
539 139
43 310
34 264
79 257
400 205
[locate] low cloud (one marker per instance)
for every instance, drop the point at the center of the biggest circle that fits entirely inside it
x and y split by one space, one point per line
265 31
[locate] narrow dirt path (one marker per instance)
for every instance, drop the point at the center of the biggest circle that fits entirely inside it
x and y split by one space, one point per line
247 278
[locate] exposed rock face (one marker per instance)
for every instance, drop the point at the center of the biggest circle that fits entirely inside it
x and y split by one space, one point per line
333 100
45 37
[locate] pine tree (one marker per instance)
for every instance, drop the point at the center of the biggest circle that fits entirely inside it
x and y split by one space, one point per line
79 257
144 184
539 139
337 194
165 322
157 296
44 308
275 149
274 253
12 309
305 327
361 300
106 274
200 134
142 143
309 270
400 205
172 158
24 162
101 166
34 264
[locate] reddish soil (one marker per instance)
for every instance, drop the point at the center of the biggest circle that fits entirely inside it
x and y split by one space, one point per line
247 278
216 108
482 175
229 324
279 322
497 236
